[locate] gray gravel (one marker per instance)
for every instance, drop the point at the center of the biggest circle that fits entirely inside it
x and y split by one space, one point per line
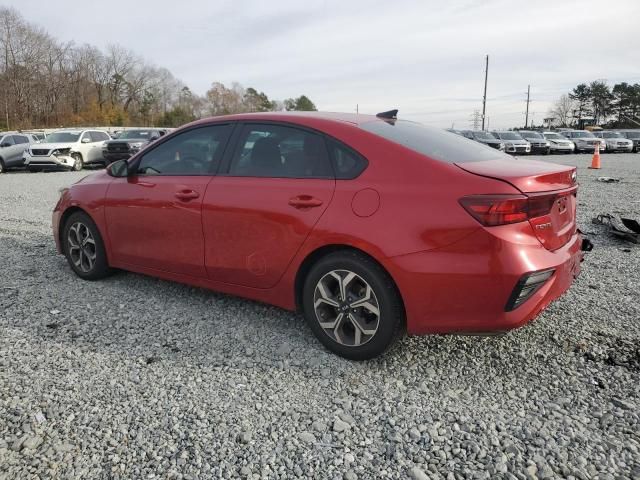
135 377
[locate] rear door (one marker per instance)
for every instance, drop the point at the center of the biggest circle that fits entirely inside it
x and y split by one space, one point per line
278 181
154 217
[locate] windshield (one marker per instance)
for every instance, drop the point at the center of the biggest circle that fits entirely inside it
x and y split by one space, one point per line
612 135
433 142
530 135
583 135
484 135
139 134
63 137
632 134
554 136
509 136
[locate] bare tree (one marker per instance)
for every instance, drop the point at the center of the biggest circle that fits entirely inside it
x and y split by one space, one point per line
562 111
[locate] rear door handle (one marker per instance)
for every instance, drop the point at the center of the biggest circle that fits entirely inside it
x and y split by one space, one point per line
186 195
305 201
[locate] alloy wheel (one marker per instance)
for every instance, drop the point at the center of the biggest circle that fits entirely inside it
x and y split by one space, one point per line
346 308
82 247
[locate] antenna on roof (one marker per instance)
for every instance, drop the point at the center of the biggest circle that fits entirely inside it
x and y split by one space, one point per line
390 115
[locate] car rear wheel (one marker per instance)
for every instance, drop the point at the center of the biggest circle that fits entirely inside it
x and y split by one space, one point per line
77 162
352 305
84 248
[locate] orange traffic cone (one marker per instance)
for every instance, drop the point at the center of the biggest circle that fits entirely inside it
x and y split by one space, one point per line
595 161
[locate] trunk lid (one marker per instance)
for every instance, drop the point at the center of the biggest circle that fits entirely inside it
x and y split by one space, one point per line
550 188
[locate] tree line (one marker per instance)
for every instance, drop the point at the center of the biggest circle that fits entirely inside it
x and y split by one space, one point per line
599 104
48 83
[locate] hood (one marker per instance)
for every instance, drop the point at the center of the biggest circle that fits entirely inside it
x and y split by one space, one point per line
127 140
52 146
516 142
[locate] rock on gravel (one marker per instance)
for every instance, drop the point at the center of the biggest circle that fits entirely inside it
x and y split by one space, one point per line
134 377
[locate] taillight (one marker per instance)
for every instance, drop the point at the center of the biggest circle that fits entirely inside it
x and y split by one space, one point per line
493 210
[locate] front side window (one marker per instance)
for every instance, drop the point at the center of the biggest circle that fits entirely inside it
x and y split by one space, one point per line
280 152
98 136
194 152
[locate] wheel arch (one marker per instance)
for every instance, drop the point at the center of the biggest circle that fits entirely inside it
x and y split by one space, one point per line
321 252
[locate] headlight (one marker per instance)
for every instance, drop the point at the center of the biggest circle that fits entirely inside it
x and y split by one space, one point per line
136 145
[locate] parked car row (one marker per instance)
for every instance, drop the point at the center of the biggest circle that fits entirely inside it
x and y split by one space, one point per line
71 149
565 141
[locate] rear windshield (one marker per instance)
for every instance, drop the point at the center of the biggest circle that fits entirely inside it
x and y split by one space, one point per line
433 142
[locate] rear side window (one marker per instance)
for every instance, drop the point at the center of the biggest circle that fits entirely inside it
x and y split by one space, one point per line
20 139
346 163
433 142
7 141
276 151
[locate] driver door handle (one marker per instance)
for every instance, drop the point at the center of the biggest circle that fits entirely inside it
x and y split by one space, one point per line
186 195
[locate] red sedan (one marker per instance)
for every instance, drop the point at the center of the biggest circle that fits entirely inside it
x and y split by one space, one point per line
369 225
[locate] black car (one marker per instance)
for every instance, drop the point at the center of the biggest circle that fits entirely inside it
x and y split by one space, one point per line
539 144
634 136
129 142
483 137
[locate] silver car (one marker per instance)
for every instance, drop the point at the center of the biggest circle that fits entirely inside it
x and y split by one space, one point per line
539 144
584 140
615 141
12 148
558 143
513 142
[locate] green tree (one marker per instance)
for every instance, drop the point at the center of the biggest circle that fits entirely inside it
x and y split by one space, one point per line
582 96
257 102
302 103
600 97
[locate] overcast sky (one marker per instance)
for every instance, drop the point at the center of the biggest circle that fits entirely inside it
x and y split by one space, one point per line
424 57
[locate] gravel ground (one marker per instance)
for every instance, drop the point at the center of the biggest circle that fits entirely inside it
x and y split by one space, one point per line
135 377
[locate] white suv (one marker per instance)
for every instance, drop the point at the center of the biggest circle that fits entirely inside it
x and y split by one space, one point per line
71 149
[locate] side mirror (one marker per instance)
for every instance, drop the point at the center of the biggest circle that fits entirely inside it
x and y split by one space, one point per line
118 169
85 140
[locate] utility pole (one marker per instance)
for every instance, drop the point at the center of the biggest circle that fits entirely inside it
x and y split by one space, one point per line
526 118
357 112
484 97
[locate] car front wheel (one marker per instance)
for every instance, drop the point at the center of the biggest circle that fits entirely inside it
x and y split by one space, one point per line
84 248
352 305
77 162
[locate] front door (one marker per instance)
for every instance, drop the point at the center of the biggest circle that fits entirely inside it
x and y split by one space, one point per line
258 213
154 217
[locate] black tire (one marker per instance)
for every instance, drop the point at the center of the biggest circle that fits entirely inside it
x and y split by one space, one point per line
391 319
2 169
78 163
100 267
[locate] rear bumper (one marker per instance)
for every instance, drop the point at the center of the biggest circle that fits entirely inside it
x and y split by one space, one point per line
465 287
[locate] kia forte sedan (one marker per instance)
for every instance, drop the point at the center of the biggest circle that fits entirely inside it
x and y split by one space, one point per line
368 225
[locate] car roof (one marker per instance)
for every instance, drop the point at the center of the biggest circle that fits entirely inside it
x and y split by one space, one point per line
294 116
